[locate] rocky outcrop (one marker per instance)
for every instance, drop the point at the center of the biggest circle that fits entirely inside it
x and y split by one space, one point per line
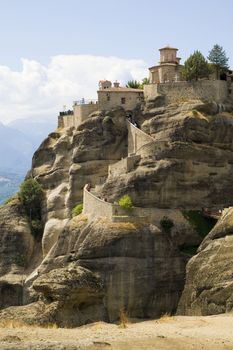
16 250
191 169
97 269
70 158
209 280
16 239
93 268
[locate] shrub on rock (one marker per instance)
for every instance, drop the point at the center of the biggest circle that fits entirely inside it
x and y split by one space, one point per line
77 209
126 202
31 195
166 224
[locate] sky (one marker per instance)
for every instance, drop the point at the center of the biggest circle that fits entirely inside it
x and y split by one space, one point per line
54 51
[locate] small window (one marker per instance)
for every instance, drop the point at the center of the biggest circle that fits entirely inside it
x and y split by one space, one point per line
108 97
123 100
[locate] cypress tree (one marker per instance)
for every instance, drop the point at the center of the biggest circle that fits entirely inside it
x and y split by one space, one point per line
219 60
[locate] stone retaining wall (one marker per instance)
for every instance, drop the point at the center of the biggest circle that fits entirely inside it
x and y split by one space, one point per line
95 207
80 114
150 149
176 92
136 138
123 166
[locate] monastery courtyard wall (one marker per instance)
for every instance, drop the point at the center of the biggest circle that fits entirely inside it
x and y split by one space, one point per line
136 138
209 90
95 207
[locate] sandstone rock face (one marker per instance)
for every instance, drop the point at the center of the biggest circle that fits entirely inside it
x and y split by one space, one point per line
51 233
70 158
209 279
191 168
16 249
93 268
110 267
16 245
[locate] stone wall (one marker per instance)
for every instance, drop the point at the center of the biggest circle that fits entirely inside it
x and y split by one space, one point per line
209 90
150 149
95 207
165 73
136 138
123 166
80 114
82 111
66 121
123 98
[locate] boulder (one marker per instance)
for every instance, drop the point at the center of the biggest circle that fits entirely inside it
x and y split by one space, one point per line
209 275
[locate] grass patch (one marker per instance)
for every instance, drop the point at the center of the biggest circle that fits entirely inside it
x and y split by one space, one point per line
201 223
77 210
11 199
12 323
124 226
165 318
123 319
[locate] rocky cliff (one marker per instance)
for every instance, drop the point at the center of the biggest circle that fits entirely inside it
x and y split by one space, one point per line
85 269
188 166
209 279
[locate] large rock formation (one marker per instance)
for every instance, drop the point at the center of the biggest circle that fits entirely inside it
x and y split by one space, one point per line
97 269
209 279
16 250
93 268
70 158
192 168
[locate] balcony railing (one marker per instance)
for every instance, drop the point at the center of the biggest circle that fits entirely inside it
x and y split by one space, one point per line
69 112
85 101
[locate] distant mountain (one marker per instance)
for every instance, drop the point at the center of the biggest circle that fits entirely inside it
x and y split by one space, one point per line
15 149
18 142
9 184
35 130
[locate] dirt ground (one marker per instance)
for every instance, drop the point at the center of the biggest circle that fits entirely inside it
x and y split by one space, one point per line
167 333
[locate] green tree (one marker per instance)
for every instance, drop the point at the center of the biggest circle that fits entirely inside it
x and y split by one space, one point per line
134 84
219 60
145 81
196 67
31 195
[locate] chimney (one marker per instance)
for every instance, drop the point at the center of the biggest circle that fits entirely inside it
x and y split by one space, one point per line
116 84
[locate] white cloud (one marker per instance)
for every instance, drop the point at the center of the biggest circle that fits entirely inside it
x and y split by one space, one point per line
39 90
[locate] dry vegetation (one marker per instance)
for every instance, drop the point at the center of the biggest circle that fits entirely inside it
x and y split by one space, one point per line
168 332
